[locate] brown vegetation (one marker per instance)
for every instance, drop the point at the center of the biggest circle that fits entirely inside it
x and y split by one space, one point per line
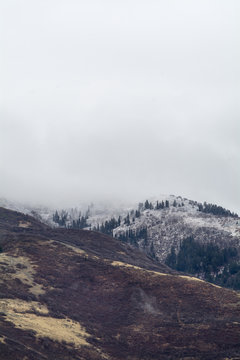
83 295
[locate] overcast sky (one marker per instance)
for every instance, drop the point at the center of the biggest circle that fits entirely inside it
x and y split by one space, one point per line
120 99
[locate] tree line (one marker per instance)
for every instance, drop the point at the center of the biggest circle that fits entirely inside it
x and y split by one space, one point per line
215 210
63 219
134 236
220 266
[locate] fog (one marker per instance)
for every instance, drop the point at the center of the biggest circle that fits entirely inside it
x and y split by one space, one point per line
120 101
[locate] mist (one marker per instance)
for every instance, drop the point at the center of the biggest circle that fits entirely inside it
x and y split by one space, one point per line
109 101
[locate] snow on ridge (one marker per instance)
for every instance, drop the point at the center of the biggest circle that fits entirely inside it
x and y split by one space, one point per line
166 227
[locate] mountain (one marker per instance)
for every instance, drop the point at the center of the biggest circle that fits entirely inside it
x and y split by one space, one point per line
168 225
40 212
206 233
201 239
77 294
161 227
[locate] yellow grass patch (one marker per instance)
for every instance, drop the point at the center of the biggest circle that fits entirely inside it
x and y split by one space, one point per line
21 306
72 247
23 269
191 278
2 339
119 263
138 328
24 224
21 314
76 250
217 286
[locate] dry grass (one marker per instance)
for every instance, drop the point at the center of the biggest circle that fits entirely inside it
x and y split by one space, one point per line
24 224
21 306
21 268
190 278
74 248
23 315
2 339
119 263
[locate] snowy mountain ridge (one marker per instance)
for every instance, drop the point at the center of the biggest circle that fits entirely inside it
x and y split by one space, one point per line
168 220
168 227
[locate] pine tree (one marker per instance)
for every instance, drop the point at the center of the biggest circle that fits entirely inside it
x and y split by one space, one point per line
171 258
127 220
137 214
56 217
146 205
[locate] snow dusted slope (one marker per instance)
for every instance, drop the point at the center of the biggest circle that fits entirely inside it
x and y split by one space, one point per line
41 213
169 226
162 228
14 205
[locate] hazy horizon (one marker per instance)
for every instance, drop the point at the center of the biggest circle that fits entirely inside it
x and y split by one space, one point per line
109 101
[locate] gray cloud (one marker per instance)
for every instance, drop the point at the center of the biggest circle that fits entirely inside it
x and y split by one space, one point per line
120 100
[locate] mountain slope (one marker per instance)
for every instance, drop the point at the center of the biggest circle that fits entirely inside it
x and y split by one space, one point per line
159 227
70 294
169 225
